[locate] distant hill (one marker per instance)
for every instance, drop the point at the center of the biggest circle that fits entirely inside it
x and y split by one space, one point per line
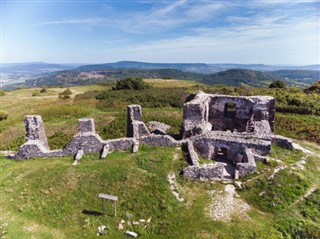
193 67
42 74
298 77
315 88
237 77
233 77
35 68
75 77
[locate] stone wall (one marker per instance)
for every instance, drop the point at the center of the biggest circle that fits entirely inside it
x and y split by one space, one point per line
282 141
205 144
88 141
246 167
251 120
192 155
35 130
206 112
204 172
135 126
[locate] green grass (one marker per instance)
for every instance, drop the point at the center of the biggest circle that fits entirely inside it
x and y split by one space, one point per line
50 198
46 198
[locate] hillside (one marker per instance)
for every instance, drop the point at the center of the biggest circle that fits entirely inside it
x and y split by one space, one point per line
297 77
315 88
74 78
233 77
43 198
43 74
202 68
237 77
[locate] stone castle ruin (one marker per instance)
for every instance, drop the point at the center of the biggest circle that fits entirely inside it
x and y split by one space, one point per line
223 136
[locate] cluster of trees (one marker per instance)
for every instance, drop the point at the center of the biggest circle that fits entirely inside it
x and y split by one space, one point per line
131 84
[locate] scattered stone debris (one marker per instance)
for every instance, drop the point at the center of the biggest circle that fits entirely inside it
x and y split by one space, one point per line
101 230
3 230
8 153
174 187
120 226
238 184
276 170
300 164
299 147
158 128
225 205
105 151
132 234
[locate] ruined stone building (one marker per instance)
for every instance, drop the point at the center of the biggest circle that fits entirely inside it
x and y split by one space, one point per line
230 133
233 131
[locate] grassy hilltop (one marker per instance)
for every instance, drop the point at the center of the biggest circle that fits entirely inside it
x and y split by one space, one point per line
50 198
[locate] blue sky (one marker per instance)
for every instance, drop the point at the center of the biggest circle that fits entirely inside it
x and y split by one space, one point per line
267 32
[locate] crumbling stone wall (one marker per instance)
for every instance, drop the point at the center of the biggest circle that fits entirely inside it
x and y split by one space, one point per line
204 172
35 130
206 144
247 167
282 141
250 121
206 112
135 126
87 140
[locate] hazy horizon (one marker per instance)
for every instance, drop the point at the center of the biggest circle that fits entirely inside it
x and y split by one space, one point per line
266 32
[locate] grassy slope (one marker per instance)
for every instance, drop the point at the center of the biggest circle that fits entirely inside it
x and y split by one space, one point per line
50 198
45 198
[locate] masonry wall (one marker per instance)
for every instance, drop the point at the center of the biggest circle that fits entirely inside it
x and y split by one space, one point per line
208 112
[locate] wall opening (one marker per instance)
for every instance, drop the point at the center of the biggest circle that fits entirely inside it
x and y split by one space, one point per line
230 111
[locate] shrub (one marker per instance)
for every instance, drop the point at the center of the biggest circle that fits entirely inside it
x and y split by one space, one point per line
36 93
130 84
65 94
1 92
3 115
277 84
43 90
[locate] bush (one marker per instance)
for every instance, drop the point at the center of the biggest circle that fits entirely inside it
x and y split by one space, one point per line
3 115
65 94
1 92
130 84
277 84
43 90
35 93
162 97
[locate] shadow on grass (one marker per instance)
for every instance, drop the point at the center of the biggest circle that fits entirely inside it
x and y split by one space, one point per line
93 213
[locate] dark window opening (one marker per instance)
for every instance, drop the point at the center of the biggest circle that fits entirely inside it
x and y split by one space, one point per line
230 109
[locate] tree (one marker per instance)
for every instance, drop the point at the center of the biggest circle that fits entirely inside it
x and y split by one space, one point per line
277 84
130 84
